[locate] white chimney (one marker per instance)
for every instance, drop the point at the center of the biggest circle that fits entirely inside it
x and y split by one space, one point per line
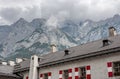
33 73
18 60
53 48
11 63
4 63
112 31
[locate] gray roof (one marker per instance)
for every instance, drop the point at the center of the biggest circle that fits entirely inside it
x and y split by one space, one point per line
6 68
22 66
8 75
86 50
82 50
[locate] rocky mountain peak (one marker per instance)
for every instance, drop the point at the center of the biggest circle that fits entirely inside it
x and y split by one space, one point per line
33 37
20 22
38 22
116 16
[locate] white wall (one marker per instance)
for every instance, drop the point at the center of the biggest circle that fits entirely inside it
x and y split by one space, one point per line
98 66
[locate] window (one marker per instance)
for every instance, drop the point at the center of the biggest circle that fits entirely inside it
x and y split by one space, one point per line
45 76
39 59
82 73
116 67
65 74
32 58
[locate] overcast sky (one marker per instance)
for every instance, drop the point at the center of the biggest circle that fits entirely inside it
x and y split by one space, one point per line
12 10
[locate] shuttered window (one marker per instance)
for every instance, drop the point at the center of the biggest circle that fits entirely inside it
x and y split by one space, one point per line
66 74
82 73
116 67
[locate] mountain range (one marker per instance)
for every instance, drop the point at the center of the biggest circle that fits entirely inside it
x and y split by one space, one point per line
23 39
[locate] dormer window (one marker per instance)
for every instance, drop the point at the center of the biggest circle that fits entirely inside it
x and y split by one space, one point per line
106 42
66 52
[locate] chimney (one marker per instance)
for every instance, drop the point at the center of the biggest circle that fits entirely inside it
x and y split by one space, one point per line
112 31
11 63
33 72
4 63
18 60
53 48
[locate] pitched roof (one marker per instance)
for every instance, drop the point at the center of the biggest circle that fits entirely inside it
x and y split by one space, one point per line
22 66
9 75
81 51
6 68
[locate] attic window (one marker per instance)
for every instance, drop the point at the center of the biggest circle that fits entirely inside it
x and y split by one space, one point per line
66 52
106 42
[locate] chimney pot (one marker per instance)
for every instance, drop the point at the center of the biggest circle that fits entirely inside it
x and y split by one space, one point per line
4 63
53 48
18 60
11 63
112 31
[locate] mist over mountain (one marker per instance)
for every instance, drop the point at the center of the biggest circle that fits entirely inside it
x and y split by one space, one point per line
23 39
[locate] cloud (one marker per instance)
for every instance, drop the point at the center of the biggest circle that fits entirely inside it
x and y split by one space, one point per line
14 13
10 14
82 9
12 10
3 22
77 10
19 3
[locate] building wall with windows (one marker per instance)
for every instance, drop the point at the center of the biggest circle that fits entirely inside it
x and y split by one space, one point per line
98 68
